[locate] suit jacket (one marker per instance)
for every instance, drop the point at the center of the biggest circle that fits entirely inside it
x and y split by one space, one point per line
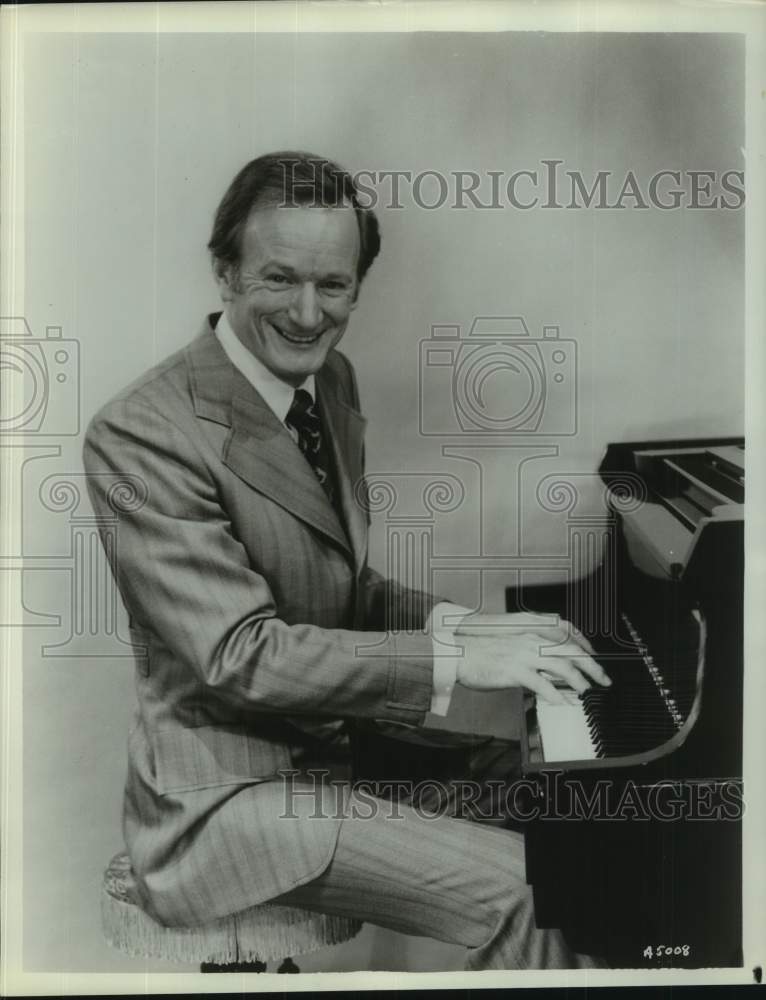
257 610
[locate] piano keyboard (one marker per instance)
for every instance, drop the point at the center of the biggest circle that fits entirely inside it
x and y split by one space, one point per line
565 732
637 713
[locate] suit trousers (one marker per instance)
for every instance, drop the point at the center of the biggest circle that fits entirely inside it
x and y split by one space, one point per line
410 862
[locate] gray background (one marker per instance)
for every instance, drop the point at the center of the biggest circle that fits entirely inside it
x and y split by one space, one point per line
130 141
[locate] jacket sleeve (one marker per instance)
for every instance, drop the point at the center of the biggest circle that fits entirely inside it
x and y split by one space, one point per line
390 605
185 577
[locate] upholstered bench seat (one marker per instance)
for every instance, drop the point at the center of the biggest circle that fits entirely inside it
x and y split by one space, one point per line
260 933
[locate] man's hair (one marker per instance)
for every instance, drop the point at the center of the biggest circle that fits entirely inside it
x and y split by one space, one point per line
288 179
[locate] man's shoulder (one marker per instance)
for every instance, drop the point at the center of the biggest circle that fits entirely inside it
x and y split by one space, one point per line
338 372
153 384
165 388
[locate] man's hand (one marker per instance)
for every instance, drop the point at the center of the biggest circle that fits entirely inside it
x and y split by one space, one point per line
525 650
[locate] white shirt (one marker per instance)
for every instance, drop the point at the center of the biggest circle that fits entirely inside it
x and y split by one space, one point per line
278 395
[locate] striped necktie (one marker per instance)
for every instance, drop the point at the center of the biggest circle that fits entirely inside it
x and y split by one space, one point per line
303 417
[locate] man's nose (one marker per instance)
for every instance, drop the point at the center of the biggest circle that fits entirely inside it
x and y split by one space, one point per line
304 309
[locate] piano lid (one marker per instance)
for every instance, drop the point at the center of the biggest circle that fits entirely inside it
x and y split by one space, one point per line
694 509
693 482
730 459
658 543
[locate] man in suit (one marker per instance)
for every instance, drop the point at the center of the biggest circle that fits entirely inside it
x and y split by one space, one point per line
244 573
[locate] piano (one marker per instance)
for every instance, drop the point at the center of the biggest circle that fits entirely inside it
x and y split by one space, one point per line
633 794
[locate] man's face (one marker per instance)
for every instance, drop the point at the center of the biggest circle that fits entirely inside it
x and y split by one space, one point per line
296 288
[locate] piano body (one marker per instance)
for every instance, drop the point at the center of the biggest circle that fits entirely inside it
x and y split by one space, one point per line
634 792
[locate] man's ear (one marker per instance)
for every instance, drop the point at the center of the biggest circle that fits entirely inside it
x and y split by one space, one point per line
226 278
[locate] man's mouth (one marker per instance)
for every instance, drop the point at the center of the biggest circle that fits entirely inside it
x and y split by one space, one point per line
293 338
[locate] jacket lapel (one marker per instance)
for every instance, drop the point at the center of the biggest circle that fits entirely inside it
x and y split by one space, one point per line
345 438
260 451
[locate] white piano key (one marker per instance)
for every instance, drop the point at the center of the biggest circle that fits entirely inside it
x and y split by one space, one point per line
564 731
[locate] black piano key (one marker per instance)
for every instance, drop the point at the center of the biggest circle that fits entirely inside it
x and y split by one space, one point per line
633 715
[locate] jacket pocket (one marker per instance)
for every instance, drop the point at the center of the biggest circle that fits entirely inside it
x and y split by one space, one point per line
208 756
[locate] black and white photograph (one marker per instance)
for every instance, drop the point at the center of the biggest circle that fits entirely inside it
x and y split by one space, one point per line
379 606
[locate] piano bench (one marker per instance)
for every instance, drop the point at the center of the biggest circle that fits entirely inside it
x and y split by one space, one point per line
241 942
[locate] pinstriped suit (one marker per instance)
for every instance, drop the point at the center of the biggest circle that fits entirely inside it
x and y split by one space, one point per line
260 618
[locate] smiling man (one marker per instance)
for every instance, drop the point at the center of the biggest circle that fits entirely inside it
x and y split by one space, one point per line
243 568
289 295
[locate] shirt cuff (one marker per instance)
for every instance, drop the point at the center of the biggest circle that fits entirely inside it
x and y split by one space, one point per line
442 622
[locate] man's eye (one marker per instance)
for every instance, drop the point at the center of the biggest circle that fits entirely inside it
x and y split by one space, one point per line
278 279
334 286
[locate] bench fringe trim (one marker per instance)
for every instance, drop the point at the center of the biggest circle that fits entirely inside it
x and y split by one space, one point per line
261 933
